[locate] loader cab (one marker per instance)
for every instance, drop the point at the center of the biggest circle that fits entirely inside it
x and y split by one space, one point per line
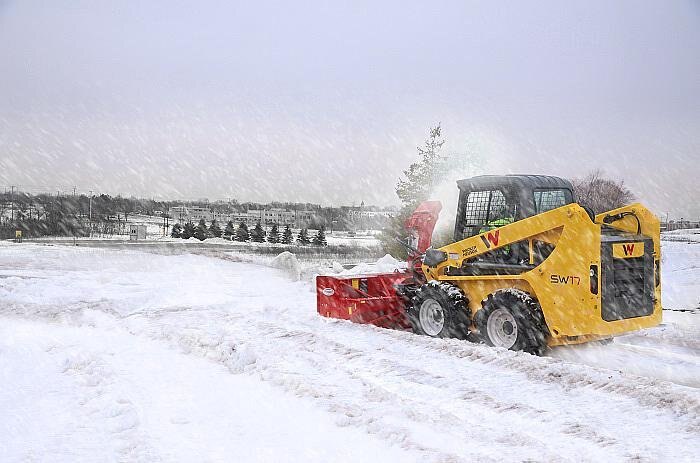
491 201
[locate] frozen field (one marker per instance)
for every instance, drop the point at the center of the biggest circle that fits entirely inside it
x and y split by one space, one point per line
123 355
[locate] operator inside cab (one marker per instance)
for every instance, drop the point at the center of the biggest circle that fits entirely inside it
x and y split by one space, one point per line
488 202
500 217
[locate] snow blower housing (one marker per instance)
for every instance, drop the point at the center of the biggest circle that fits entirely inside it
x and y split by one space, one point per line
374 298
529 268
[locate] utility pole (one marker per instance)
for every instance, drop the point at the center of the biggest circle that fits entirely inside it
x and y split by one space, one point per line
90 213
12 201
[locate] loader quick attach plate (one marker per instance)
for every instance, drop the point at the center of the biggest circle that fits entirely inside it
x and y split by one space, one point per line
363 299
627 277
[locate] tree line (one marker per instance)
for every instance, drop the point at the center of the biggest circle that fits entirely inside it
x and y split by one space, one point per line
241 233
81 215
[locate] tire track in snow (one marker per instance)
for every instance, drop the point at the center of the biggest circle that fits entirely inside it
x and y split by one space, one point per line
647 391
569 427
279 359
390 372
117 414
353 401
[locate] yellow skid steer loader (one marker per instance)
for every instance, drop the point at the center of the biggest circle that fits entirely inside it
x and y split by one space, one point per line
529 268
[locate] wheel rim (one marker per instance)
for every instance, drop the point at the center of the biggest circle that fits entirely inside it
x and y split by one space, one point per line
432 317
502 329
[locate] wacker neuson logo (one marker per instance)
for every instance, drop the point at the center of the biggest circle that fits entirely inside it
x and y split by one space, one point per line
491 238
628 250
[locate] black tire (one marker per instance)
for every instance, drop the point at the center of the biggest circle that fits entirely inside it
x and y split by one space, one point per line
514 317
453 306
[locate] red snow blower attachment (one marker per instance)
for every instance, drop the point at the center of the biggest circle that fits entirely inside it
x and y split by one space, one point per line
381 299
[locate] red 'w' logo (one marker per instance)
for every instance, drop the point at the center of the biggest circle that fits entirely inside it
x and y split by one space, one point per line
628 248
490 239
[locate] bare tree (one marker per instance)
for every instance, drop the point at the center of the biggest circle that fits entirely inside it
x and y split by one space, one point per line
600 193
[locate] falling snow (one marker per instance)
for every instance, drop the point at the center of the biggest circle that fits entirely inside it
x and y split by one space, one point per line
194 344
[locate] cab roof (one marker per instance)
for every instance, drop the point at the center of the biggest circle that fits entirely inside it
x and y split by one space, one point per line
520 181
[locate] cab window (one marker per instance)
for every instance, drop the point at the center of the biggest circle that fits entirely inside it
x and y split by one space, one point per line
548 199
485 210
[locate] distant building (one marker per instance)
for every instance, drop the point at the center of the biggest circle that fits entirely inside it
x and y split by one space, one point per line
238 217
362 219
137 232
281 217
297 219
356 214
183 214
303 218
221 217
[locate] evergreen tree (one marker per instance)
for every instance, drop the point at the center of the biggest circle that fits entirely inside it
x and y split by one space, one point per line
420 177
414 187
242 232
177 231
230 230
188 231
320 238
200 232
287 236
257 234
214 229
303 237
274 235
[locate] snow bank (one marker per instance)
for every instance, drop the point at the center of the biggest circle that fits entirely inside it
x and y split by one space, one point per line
288 263
307 271
691 235
668 352
386 264
680 275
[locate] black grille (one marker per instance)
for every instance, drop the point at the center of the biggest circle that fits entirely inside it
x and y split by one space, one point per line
546 200
628 280
483 207
628 284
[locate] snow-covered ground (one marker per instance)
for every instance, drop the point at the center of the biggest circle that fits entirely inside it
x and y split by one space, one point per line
680 274
689 235
123 355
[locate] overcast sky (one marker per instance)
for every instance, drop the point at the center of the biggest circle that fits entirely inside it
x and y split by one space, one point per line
326 101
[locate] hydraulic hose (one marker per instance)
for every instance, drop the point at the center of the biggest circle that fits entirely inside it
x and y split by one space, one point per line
610 218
